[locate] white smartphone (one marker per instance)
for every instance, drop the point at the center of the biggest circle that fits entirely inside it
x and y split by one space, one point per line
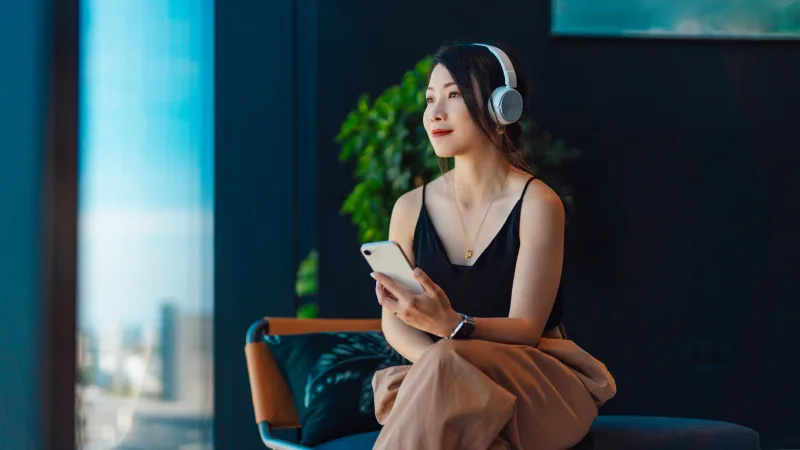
388 258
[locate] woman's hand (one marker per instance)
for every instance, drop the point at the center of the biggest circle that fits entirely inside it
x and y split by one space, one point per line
430 311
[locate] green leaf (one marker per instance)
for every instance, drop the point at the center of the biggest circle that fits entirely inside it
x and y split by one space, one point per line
306 278
308 311
363 104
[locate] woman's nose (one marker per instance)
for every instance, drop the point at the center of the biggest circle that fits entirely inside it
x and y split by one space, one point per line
437 112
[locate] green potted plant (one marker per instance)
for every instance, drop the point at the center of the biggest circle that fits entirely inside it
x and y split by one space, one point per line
387 140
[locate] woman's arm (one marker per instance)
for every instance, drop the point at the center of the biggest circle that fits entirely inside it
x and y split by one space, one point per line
538 272
407 340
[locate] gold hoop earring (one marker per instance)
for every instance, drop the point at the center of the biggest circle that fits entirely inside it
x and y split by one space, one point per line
501 129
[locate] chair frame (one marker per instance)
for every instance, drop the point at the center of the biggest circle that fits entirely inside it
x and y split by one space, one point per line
271 400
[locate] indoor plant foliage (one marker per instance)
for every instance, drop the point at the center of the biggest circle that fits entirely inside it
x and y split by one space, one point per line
386 139
306 284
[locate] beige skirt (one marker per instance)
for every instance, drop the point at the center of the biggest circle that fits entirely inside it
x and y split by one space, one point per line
479 395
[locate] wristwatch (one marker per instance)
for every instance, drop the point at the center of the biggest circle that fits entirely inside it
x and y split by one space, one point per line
464 329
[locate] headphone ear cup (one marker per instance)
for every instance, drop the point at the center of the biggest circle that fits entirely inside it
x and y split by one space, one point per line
505 105
511 105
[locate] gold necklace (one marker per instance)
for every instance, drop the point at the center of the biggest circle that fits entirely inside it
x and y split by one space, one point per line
468 255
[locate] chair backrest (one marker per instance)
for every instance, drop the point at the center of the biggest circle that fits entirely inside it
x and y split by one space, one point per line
272 398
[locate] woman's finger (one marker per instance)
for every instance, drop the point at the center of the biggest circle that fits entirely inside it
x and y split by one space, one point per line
396 289
426 282
405 311
384 298
409 303
381 291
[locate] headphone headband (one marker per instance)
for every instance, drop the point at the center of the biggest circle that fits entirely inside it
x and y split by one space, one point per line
505 63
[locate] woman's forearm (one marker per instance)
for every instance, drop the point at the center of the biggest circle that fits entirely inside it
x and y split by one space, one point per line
408 341
505 330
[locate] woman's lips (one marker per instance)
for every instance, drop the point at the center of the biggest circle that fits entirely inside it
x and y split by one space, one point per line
440 133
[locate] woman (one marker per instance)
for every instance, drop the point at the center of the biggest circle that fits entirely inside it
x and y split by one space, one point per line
487 240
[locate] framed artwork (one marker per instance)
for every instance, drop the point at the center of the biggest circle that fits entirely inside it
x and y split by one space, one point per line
679 19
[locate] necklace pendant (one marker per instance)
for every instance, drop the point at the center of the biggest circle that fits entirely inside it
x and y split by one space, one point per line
469 253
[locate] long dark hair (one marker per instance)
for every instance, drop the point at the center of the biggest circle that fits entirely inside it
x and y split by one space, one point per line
472 65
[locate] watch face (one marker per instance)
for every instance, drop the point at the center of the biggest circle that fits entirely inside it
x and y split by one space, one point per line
469 327
466 329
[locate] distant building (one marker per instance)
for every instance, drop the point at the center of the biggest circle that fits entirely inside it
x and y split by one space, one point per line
186 357
169 359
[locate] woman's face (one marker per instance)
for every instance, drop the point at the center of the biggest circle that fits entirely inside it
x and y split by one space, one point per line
447 120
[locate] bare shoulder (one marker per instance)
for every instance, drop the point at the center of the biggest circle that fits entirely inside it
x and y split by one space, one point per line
408 204
405 213
542 210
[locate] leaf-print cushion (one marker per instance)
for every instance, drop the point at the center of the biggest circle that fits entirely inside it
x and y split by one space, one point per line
330 376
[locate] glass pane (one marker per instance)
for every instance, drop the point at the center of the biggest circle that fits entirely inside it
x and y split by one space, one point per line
145 296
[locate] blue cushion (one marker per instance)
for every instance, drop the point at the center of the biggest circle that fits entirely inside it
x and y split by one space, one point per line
628 433
330 377
362 441
666 433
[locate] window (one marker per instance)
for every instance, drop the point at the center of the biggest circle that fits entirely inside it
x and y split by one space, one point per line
145 243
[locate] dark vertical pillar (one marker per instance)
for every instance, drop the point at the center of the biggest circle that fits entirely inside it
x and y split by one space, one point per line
60 229
255 229
307 138
38 172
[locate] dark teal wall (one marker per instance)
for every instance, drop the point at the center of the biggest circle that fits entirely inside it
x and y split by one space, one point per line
683 252
24 59
256 110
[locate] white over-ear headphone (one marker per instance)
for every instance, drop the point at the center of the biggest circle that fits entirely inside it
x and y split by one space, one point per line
505 103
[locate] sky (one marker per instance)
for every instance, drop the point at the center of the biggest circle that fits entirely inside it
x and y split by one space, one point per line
146 159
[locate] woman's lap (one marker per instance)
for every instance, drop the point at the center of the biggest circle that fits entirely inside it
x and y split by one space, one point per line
475 394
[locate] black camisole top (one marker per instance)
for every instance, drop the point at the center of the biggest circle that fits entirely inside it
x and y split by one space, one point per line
483 289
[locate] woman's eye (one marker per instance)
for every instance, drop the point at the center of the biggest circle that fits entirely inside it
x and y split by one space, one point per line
451 95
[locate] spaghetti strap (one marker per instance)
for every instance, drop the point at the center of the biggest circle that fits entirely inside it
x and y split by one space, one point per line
520 197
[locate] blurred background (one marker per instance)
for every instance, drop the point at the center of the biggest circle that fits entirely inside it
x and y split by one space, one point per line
172 170
145 241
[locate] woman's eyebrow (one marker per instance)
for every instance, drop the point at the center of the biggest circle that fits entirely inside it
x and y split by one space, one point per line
446 85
